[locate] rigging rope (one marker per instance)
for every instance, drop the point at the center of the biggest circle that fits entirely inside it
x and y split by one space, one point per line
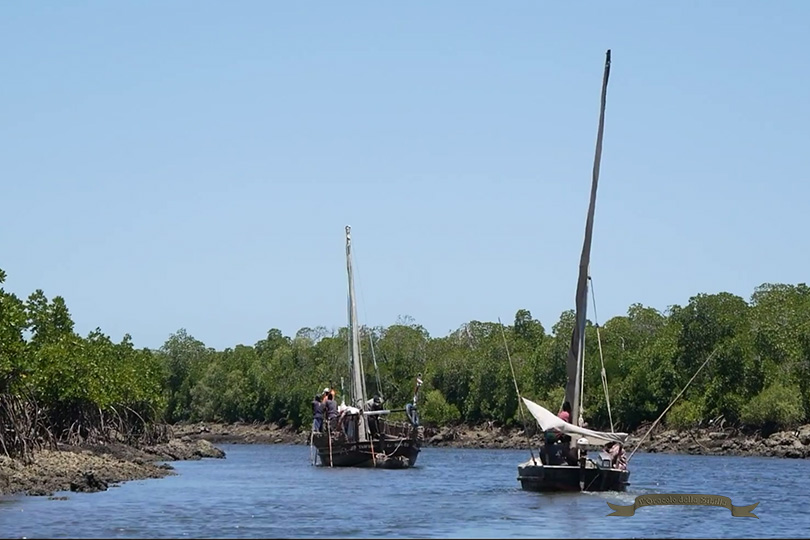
601 356
359 285
371 440
520 402
394 451
673 403
581 420
374 359
329 434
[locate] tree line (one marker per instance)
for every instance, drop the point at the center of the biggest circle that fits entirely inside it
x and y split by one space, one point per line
56 385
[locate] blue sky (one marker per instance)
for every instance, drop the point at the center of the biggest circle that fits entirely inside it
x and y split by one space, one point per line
182 164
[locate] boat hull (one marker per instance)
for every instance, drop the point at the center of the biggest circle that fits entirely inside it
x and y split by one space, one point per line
539 477
390 454
398 448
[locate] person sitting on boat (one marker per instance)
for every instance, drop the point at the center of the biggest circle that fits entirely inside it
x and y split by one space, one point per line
317 413
617 455
565 413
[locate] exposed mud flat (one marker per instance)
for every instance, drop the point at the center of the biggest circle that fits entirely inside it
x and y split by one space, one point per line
787 444
92 468
241 433
784 444
728 442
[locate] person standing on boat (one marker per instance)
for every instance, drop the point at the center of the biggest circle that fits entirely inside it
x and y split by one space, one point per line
324 396
317 413
330 409
374 404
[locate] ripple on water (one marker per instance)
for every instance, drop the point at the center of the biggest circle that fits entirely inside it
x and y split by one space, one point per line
272 491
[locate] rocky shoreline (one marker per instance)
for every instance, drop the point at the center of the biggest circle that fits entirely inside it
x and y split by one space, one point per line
794 444
784 444
92 468
727 442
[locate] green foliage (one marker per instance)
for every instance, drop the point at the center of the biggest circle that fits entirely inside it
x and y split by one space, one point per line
777 406
82 387
436 410
184 359
553 399
13 360
759 374
684 415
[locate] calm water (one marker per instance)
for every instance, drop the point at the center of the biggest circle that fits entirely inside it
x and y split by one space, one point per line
272 491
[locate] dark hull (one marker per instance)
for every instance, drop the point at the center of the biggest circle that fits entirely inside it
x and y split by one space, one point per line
571 478
390 454
397 448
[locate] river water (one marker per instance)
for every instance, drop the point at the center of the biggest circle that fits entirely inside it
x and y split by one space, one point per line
262 491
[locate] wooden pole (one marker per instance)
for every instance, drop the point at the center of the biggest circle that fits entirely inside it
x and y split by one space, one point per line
329 434
371 441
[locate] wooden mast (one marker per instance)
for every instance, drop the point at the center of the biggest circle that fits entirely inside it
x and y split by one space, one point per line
576 352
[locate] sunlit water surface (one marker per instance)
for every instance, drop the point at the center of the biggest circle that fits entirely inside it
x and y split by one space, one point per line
273 491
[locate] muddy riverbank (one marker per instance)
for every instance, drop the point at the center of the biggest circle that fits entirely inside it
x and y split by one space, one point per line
786 444
728 442
91 468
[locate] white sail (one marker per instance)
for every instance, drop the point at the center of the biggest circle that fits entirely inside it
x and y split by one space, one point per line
547 420
358 375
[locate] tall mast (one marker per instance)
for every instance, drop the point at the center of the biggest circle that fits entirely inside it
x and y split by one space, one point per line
576 352
349 343
358 376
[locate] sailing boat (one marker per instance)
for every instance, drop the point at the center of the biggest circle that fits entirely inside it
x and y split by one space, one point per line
362 436
565 465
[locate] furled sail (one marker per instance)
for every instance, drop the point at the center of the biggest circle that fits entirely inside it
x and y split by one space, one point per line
547 420
348 408
358 375
573 388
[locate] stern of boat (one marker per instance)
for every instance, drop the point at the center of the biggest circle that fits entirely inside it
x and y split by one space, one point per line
531 474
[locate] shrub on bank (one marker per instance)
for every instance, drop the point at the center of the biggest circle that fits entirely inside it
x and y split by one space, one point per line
777 407
436 411
684 415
